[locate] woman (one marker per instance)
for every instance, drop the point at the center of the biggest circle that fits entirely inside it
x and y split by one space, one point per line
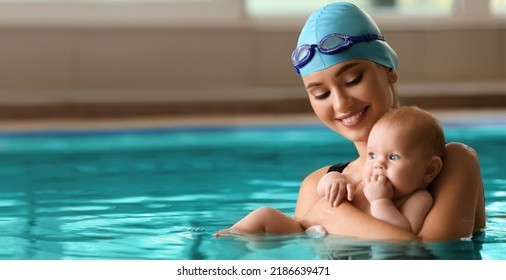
349 72
350 81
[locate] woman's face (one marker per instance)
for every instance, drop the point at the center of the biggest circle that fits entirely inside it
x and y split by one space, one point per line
351 96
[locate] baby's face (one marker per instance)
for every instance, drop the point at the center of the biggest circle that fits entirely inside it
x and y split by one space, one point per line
392 152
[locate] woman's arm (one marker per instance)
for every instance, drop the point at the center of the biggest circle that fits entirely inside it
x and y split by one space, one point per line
457 212
458 208
347 220
308 195
344 220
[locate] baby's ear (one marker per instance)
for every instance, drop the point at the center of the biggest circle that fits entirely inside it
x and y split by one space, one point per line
435 165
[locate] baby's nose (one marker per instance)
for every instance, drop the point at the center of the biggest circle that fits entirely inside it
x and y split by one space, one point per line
379 165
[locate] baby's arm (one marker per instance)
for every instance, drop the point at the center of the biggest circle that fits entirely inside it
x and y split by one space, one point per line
378 190
335 187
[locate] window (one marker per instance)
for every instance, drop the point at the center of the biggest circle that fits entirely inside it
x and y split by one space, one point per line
203 12
289 8
498 7
118 11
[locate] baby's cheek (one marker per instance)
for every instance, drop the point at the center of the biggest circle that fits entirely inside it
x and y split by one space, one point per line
367 172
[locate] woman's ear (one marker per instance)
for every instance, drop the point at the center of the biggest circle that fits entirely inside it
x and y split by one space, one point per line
392 75
435 165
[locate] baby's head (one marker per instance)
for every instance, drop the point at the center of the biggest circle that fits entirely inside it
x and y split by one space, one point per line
420 127
407 146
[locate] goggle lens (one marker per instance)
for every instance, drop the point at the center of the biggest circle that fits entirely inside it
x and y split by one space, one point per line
333 42
300 53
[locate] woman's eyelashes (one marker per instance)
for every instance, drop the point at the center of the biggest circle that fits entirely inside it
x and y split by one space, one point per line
325 94
322 95
355 81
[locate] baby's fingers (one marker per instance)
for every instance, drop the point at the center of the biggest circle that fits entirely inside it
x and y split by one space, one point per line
350 190
333 193
341 194
327 193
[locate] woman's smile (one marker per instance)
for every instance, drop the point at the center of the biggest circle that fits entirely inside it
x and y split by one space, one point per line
354 118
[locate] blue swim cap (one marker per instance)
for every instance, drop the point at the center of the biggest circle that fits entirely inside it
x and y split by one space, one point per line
344 18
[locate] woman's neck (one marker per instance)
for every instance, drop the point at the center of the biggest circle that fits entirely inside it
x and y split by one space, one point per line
362 156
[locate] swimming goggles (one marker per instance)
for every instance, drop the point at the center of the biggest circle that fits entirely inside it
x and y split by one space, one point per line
331 44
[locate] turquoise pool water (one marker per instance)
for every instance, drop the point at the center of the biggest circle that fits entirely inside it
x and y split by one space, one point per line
161 193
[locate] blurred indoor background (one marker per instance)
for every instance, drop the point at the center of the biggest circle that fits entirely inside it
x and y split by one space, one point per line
132 58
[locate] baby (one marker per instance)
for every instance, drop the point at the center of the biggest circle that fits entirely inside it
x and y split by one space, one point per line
405 150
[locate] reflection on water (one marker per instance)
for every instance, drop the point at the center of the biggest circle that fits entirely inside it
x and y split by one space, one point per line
161 195
339 248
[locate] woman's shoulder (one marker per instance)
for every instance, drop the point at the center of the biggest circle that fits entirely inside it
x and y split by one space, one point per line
459 159
458 207
317 174
457 148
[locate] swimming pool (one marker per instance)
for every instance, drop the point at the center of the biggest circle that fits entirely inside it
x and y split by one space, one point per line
160 193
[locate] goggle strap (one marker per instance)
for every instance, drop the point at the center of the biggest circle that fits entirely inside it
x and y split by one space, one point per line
366 37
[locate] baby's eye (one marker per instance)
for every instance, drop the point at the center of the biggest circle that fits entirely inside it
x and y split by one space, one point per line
394 157
371 155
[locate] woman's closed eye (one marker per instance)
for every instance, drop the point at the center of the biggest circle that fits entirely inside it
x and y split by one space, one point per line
322 95
355 81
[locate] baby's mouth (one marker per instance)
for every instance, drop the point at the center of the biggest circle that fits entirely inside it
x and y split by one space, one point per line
380 173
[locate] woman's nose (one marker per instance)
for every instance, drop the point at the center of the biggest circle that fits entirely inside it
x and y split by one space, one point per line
342 102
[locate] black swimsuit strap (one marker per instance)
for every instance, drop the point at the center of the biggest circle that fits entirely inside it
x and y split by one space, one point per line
338 167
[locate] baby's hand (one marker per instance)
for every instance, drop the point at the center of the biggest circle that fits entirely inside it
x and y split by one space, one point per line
378 187
335 186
